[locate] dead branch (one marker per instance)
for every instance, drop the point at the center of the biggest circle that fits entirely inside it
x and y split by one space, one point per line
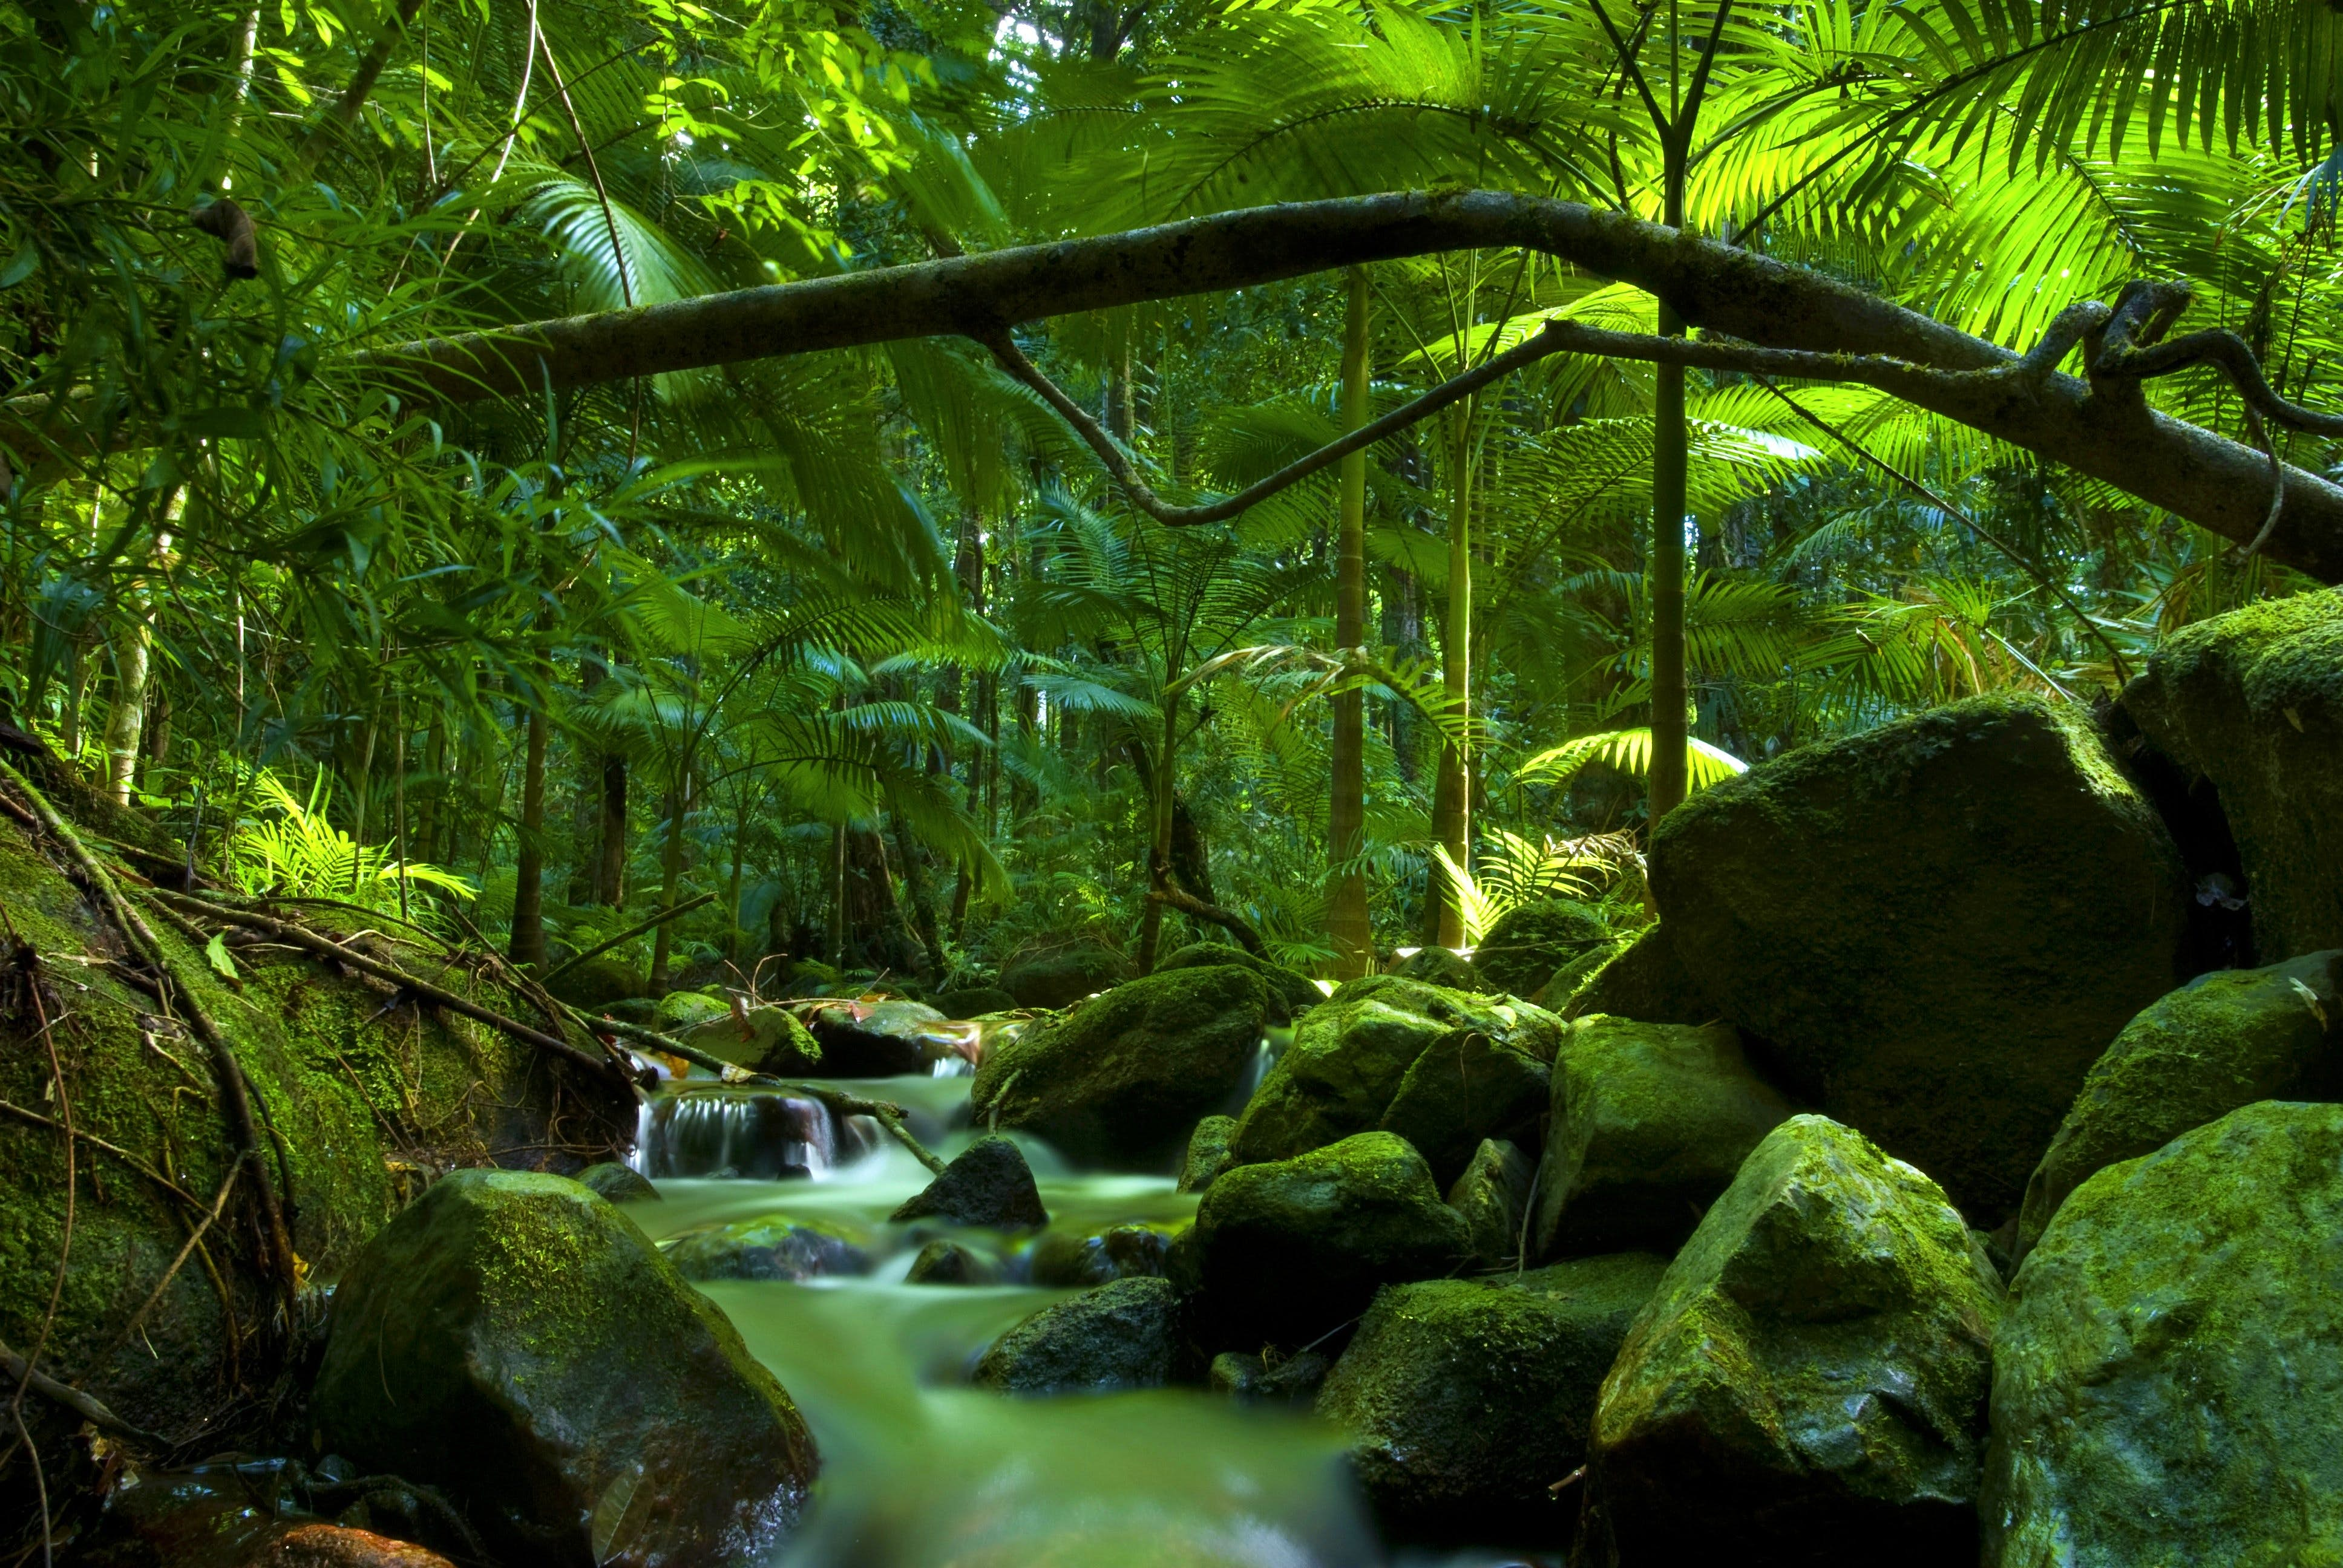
90 1408
1187 903
629 934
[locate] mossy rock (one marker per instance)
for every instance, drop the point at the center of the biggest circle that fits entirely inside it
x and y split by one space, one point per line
361 1108
1060 975
1207 1153
2222 1040
1808 1382
1935 927
986 1185
556 1377
599 982
1530 942
1492 1197
973 1001
767 1040
885 1039
770 1247
1644 979
1466 1400
1477 1087
1069 1260
1291 993
1122 1335
682 1011
1442 967
1123 1079
1352 1054
2253 700
1649 1122
2168 1383
618 1184
1283 1252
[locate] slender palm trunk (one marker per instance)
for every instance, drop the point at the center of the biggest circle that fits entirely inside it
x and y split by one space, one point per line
529 893
125 722
1452 794
610 849
678 800
1347 920
1670 732
1158 845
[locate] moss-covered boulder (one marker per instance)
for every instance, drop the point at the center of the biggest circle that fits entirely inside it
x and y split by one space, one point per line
1808 1382
598 984
1530 942
618 1184
2222 1040
1935 925
1119 1336
1060 973
1466 1091
972 1001
1441 967
1290 993
1207 1153
2168 1383
1069 1260
1466 1400
883 1039
767 1039
681 1012
1283 1252
1492 1197
946 1263
1351 1053
769 1247
1123 1079
2253 700
363 1100
492 1341
1650 1121
1645 981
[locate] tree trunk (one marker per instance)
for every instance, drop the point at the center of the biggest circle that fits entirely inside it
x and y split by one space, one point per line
837 895
610 841
1451 798
1669 731
1159 841
132 653
923 909
1347 920
739 861
528 889
670 878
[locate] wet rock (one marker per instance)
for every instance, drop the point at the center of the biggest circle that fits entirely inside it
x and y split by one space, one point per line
1284 1251
336 1546
943 1262
2166 1384
767 1039
770 1247
518 1310
2253 701
1645 981
1122 1335
988 1184
1649 1122
1290 1379
1935 925
1493 1196
1530 942
1208 1152
1121 1080
973 1001
1291 994
618 1184
1351 1053
1066 1261
1058 975
884 1039
1808 1382
1476 1086
1467 1400
1441 967
2222 1040
681 1012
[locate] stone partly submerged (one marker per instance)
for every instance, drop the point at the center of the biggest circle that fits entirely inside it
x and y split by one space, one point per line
1284 1251
1935 927
518 1310
771 1247
2167 1385
1808 1382
1120 1335
2252 701
1351 1058
2222 1040
986 1185
1123 1079
883 1039
1649 1122
1468 1400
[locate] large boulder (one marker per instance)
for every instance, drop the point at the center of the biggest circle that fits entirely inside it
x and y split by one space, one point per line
1493 1196
1117 1336
2222 1040
1467 1400
1290 993
1461 1093
767 1039
2253 701
1935 925
1531 940
554 1376
1283 1252
1121 1080
883 1039
2168 1383
988 1183
1808 1382
1352 1054
1645 981
1062 973
1650 1121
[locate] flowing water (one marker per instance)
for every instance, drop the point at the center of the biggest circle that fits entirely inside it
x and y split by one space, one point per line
920 1470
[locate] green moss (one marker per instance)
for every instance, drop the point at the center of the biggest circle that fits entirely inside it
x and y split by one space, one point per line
1530 942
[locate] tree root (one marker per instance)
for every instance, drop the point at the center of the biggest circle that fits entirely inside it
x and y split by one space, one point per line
886 1112
1236 925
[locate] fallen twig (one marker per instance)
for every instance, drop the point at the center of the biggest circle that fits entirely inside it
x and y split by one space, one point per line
629 934
88 1408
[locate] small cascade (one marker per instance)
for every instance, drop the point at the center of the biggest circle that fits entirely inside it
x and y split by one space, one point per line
742 1132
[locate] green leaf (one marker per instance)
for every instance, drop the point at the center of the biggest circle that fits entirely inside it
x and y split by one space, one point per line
20 267
215 952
